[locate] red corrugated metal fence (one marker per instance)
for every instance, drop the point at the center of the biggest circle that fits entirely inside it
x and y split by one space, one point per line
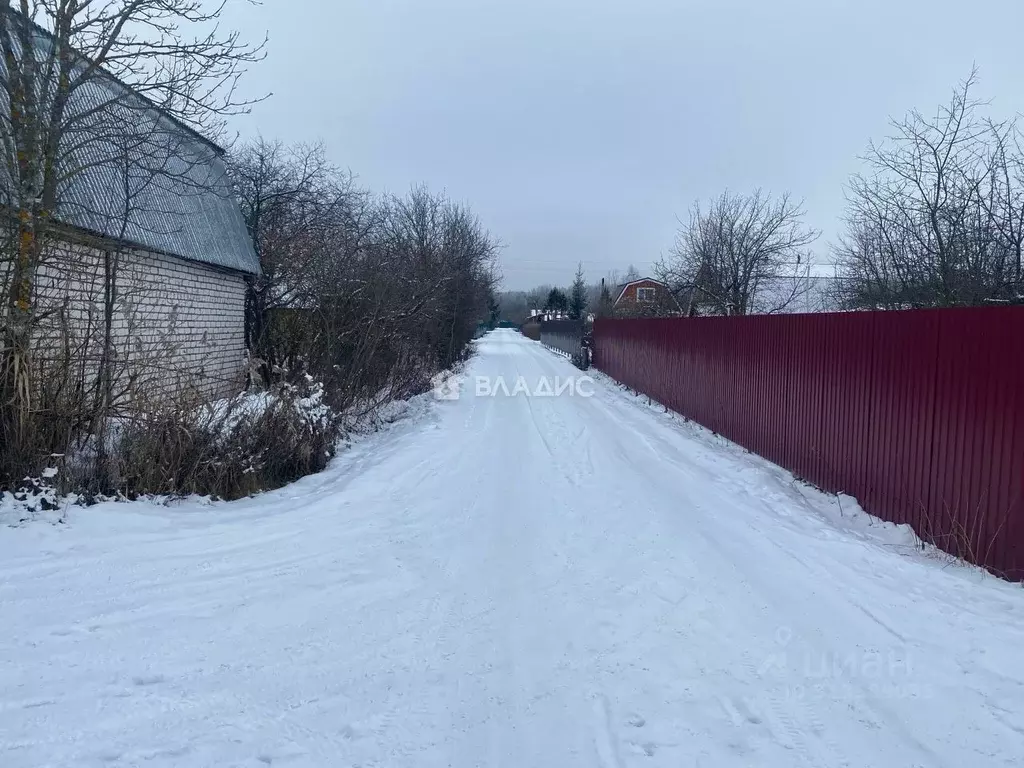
917 414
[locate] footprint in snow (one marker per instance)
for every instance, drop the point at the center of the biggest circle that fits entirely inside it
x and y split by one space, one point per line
145 680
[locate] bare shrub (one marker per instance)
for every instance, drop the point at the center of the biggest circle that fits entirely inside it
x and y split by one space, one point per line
373 295
230 449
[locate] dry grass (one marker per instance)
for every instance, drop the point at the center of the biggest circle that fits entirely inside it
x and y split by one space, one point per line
238 448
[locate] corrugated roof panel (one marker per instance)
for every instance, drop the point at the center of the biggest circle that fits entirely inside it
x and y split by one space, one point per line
135 174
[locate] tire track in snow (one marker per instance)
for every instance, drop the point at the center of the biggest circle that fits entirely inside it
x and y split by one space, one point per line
452 598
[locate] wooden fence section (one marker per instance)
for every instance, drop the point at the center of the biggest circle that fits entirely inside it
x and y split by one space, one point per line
918 414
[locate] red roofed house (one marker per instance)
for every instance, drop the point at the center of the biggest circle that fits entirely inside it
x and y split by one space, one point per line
646 297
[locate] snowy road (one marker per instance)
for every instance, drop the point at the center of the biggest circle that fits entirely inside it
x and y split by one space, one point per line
506 581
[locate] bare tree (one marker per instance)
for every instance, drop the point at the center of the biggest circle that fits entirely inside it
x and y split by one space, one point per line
410 301
514 306
304 216
939 218
371 295
744 254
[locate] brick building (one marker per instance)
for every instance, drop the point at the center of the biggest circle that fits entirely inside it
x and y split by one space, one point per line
153 253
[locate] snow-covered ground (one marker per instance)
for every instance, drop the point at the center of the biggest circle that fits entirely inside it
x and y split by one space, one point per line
506 581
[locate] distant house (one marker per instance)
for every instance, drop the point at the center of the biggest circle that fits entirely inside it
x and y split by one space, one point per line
646 297
543 315
153 253
802 294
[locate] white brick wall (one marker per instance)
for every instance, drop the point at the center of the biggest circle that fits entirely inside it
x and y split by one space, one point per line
177 324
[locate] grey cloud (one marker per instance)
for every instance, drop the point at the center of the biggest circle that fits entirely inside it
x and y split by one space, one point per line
579 131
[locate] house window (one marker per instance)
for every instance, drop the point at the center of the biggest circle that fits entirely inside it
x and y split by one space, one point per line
645 294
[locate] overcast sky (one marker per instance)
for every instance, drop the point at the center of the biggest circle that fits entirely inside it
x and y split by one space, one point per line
580 130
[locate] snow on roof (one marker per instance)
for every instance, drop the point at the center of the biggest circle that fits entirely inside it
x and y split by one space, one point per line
622 290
